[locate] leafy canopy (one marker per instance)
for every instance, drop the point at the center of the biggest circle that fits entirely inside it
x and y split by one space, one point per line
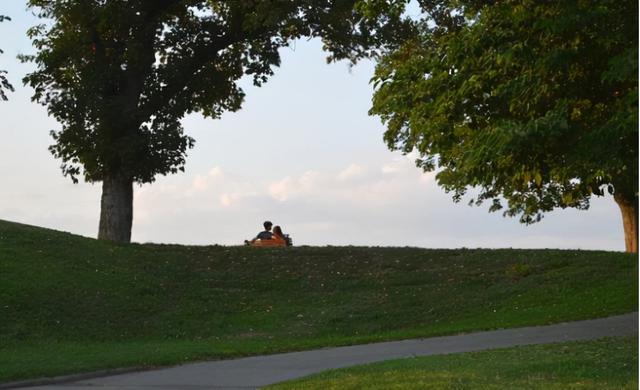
530 102
120 75
4 83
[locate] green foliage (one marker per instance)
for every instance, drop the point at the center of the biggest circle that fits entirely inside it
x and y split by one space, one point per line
518 271
4 83
73 304
606 364
531 102
120 75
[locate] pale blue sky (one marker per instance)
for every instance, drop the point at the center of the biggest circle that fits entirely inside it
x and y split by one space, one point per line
302 152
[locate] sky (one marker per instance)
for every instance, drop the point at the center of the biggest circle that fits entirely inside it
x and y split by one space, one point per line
302 152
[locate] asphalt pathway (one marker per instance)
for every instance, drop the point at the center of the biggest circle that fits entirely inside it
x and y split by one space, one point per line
253 372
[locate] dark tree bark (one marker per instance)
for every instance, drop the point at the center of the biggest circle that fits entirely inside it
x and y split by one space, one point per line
116 209
629 210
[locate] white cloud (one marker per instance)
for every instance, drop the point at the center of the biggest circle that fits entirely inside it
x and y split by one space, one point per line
353 170
226 200
281 190
200 183
284 189
308 180
216 172
203 182
390 168
352 188
427 177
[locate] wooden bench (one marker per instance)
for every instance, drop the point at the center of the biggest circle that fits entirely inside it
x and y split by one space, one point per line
274 242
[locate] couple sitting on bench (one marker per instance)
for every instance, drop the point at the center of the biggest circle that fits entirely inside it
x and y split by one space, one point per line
268 238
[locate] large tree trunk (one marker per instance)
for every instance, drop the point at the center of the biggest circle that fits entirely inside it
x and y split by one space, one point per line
116 209
629 209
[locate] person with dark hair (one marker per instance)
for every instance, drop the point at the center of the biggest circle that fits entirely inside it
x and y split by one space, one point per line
263 235
277 232
266 234
279 235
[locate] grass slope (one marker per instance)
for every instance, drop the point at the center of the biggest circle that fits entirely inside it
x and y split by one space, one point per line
71 304
606 364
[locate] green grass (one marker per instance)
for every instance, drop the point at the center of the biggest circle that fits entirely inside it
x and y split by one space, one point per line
71 304
598 365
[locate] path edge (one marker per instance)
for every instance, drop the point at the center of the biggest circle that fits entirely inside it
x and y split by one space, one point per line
54 380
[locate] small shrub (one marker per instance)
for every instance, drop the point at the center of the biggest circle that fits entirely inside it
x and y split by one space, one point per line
518 271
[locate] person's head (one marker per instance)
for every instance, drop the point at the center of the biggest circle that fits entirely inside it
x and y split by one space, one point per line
267 225
277 231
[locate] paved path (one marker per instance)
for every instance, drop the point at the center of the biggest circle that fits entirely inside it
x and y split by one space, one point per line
252 372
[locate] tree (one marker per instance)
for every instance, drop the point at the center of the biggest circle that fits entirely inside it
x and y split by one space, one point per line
532 104
119 75
4 83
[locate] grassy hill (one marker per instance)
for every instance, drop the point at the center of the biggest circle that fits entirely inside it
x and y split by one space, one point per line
71 304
